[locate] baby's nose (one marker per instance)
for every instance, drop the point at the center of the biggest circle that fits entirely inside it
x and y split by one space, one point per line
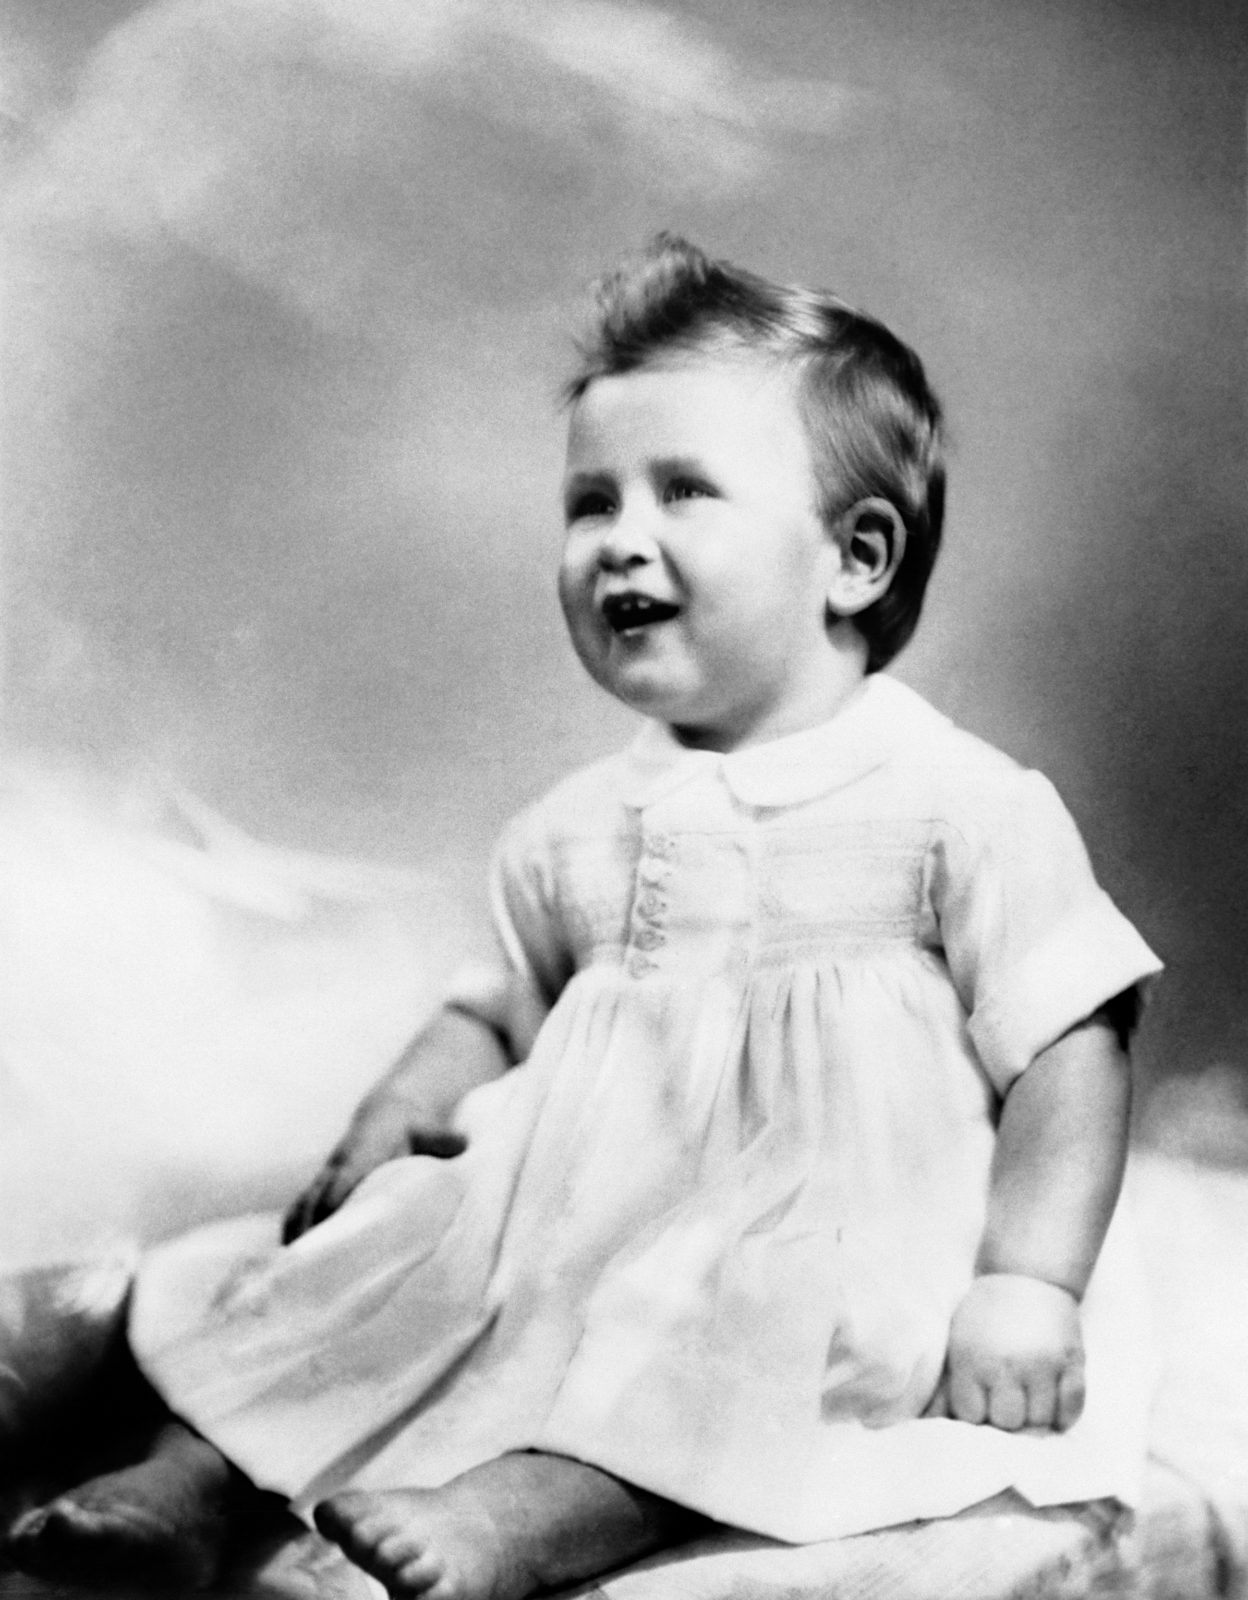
629 542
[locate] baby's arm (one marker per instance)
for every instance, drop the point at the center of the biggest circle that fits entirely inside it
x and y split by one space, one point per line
408 1113
1015 1356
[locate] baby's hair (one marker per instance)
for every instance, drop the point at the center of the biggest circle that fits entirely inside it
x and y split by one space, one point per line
873 423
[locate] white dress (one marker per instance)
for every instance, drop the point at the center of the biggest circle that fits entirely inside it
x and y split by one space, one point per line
709 1235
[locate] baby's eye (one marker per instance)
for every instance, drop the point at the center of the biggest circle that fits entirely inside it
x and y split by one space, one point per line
688 489
589 503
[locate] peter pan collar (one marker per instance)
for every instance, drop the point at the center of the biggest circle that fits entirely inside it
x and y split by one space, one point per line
858 739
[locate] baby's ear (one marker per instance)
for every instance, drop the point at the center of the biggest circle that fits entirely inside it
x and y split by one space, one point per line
869 541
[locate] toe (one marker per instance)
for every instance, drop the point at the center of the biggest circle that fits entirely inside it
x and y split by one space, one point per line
359 1541
42 1542
23 1541
45 1530
398 1547
420 1577
27 1528
337 1516
368 1529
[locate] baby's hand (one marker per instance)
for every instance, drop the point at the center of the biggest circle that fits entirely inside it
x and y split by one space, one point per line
382 1129
1015 1356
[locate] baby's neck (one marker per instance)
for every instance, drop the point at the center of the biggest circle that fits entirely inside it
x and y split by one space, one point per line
824 702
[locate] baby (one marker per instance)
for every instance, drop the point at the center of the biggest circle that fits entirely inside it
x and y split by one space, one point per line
762 1176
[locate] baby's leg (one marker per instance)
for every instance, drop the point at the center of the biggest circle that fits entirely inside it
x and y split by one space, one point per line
166 1517
502 1531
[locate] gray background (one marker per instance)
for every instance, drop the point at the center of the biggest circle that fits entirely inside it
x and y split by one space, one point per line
290 285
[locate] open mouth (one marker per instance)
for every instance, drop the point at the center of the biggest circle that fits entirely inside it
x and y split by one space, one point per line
624 612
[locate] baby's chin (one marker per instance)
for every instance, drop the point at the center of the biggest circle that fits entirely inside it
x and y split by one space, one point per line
648 686
650 700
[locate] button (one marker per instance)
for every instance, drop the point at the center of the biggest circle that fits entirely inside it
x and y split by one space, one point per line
651 904
661 845
639 965
650 939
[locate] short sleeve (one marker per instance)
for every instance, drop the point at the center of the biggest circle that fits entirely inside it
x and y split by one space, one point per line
514 991
1033 944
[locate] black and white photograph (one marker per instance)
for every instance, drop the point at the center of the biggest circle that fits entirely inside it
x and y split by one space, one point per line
623 799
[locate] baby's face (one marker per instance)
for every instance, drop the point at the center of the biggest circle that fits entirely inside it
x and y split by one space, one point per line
695 570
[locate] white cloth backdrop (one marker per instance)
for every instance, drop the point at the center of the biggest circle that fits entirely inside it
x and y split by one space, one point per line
188 1016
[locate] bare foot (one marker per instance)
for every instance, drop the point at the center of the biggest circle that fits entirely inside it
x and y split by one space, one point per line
502 1531
164 1519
